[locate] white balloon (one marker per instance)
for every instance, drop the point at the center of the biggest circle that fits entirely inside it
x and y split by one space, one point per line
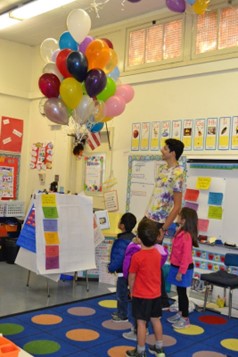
47 48
78 24
83 110
52 68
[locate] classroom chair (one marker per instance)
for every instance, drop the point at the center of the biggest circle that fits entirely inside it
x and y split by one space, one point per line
223 279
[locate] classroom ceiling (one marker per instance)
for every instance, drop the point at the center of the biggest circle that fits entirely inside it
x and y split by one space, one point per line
52 24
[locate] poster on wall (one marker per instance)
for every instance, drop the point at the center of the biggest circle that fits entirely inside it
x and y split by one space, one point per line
224 133
154 137
199 131
187 134
165 131
11 134
135 136
211 134
234 135
41 156
145 134
9 176
176 129
94 172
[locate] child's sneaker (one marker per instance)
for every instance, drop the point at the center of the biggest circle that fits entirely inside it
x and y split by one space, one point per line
158 352
117 318
174 318
181 323
131 335
134 353
115 313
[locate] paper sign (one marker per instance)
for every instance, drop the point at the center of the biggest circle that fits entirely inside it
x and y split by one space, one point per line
203 224
191 205
203 183
215 212
191 195
215 198
51 238
50 212
50 225
48 200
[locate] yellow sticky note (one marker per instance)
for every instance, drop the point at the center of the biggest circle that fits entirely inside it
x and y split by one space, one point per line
203 183
215 212
48 200
51 238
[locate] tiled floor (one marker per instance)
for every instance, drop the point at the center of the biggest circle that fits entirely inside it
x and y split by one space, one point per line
16 297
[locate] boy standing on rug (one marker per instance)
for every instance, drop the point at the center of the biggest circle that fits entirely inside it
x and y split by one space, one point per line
145 289
181 263
126 225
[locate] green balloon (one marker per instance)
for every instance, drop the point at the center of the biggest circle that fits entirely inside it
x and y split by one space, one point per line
108 91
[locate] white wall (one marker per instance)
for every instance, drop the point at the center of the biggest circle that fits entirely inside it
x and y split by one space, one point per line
195 91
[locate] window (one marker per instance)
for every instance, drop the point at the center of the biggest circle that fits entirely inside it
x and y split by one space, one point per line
184 39
156 43
217 30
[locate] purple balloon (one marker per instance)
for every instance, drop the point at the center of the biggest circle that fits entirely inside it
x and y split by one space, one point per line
133 0
56 111
176 5
83 45
95 82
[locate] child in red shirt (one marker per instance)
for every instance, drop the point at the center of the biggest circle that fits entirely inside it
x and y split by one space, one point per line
145 289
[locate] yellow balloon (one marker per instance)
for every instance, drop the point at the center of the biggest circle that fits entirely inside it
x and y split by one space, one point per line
71 92
106 119
200 6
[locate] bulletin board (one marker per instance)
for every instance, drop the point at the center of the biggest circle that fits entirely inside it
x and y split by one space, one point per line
214 182
9 176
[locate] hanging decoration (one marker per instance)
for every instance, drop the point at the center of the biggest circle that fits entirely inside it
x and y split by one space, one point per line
80 78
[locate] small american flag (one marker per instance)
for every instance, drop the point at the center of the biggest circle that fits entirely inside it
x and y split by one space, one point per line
94 140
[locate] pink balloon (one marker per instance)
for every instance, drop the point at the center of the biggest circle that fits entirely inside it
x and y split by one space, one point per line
125 91
114 106
56 111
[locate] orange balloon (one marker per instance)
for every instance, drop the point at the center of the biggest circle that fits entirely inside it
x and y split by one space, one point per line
112 62
99 60
95 47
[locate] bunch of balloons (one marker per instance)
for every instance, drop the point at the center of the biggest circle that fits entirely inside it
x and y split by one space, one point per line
80 77
198 6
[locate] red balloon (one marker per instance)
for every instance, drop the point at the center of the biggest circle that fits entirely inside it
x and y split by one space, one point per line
108 42
49 85
61 62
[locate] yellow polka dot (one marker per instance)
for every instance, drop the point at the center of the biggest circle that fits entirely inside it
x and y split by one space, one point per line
191 330
111 304
230 343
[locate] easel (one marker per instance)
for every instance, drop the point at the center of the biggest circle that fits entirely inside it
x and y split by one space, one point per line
47 281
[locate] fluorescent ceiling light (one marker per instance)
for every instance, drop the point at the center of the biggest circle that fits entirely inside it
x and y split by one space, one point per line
6 21
37 7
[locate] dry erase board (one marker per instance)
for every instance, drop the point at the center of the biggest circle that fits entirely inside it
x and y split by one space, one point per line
215 182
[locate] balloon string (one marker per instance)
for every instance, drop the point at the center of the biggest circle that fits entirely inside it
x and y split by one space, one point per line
123 5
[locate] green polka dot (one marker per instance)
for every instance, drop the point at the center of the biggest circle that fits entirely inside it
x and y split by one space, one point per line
41 347
11 329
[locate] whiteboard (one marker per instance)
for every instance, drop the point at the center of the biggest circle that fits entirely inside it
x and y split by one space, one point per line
224 178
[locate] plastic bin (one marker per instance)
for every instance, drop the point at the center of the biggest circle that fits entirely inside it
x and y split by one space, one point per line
11 250
166 272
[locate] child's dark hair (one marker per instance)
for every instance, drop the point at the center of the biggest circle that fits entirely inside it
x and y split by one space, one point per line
54 186
148 232
191 223
79 147
175 145
129 221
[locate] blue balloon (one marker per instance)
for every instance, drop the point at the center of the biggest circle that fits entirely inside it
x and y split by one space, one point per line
191 2
94 127
115 74
67 41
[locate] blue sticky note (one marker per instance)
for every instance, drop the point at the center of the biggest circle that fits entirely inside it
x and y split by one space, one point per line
215 198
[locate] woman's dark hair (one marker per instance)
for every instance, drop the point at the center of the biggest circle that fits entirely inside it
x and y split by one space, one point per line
175 145
191 223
